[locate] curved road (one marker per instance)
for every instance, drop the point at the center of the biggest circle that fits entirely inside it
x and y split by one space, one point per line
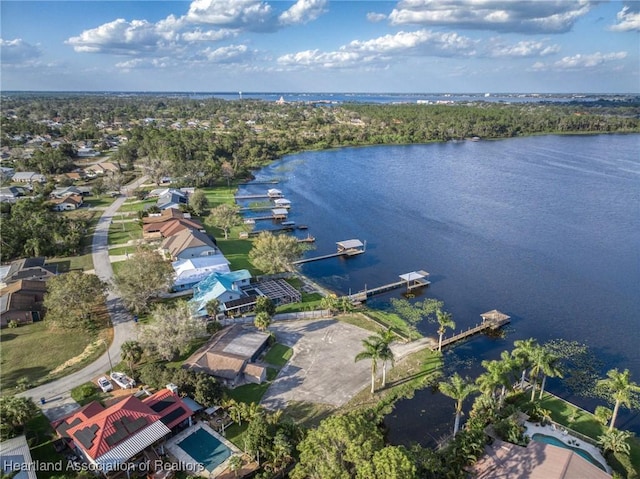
57 393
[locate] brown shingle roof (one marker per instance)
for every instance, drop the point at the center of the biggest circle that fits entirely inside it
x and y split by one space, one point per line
186 239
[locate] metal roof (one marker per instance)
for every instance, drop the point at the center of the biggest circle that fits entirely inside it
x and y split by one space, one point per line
15 455
352 243
414 275
132 446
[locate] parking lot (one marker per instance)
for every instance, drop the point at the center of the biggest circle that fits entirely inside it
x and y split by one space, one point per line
322 369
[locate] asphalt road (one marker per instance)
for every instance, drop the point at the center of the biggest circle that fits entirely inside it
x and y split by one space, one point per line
57 393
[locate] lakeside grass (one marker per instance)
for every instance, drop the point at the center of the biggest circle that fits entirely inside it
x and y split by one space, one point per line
33 351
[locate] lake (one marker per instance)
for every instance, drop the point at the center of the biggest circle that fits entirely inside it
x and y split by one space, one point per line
545 229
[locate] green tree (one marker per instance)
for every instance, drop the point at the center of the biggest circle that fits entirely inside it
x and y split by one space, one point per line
385 338
15 412
131 352
72 297
146 276
337 447
330 302
390 462
213 307
235 464
445 320
224 217
603 414
257 438
523 353
207 391
542 362
264 304
172 331
199 202
275 253
615 441
262 321
621 390
372 348
458 389
498 373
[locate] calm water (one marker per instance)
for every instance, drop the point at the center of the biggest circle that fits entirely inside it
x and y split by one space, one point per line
545 229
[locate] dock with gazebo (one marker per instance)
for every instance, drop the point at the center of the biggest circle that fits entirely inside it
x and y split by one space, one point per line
347 248
491 320
412 280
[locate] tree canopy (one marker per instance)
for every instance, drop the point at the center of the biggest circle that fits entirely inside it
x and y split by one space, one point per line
275 253
72 297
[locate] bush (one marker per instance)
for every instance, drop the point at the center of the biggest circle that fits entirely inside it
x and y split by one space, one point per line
84 391
13 324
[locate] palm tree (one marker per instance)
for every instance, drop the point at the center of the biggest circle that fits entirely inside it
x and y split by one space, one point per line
550 369
499 373
235 464
386 337
445 320
372 347
522 353
615 441
262 320
132 353
542 362
457 388
621 388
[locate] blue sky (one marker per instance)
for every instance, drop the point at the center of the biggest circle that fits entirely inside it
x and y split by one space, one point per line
420 46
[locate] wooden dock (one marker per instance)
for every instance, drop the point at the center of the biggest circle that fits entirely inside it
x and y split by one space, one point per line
411 281
345 248
491 320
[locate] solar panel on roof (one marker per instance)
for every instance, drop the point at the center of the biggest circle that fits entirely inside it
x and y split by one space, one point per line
173 415
119 434
133 426
163 404
86 436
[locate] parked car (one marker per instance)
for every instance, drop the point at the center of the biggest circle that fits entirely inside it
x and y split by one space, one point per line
105 384
122 380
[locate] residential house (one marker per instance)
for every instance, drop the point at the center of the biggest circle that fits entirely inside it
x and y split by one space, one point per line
22 301
33 269
223 287
16 459
230 356
188 244
65 191
86 152
170 227
28 177
109 438
163 216
172 199
101 169
10 193
68 203
6 173
189 272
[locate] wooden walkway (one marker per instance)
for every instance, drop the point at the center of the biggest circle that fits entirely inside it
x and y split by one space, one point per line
492 322
332 255
411 281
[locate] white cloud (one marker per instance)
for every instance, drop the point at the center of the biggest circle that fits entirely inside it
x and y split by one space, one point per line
581 62
384 49
245 14
376 17
17 51
525 16
303 11
228 54
141 63
627 21
521 49
198 35
124 38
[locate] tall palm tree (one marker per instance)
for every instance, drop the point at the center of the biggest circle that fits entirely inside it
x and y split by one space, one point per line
131 352
621 388
457 388
545 363
386 337
445 320
522 353
498 373
372 347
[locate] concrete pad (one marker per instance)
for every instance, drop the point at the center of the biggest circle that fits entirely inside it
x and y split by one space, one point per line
322 369
59 406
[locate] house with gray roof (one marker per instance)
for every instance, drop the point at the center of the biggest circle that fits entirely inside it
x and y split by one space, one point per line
188 244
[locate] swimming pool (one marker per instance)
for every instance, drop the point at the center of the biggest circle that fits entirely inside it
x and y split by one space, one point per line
557 442
205 448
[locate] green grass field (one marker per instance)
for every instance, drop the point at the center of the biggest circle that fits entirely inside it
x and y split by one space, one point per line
64 265
32 351
278 355
120 233
137 205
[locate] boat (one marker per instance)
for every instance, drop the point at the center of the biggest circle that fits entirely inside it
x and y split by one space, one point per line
288 223
303 227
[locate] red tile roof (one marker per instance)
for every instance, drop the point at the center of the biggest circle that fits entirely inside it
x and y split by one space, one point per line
170 406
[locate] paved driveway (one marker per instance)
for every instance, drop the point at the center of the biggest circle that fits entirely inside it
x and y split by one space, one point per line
322 368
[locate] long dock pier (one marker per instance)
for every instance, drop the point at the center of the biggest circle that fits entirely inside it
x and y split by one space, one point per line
347 248
411 281
491 320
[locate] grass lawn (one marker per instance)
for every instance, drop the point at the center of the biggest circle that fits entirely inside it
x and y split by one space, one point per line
83 262
32 351
278 355
120 233
99 201
235 434
235 250
218 195
310 302
121 250
361 321
137 205
249 393
395 322
88 392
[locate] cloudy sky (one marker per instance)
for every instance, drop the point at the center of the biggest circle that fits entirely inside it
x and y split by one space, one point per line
420 46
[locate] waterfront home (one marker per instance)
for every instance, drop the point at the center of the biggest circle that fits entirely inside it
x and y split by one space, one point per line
223 287
188 244
189 272
170 227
